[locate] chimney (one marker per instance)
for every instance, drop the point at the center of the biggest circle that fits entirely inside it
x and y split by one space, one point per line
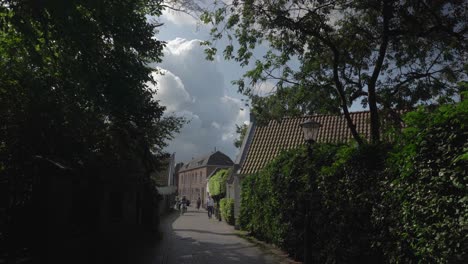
215 149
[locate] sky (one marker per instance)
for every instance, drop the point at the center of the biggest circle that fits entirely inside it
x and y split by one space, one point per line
197 89
201 90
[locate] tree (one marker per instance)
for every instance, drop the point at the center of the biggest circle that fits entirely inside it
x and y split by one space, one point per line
241 131
387 54
73 87
217 184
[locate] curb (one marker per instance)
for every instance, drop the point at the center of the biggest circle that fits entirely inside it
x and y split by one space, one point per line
269 248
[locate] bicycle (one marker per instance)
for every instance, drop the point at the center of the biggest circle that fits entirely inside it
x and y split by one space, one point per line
183 208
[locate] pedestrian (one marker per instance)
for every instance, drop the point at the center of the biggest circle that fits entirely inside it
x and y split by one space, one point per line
198 203
209 205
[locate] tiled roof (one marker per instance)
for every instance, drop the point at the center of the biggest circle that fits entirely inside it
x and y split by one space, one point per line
215 158
270 140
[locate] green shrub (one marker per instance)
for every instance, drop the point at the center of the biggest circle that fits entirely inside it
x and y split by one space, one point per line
273 200
429 194
350 190
271 207
227 210
406 203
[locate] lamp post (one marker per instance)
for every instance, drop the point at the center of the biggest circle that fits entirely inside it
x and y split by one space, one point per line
310 129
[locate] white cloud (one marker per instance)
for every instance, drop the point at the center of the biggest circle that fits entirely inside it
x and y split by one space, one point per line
194 87
175 97
179 18
265 88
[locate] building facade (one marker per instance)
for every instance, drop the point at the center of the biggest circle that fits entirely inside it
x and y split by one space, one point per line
193 175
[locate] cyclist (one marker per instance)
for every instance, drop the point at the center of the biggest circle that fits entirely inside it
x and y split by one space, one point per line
183 207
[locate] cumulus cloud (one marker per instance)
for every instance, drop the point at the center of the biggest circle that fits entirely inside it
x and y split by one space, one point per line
179 18
194 88
173 98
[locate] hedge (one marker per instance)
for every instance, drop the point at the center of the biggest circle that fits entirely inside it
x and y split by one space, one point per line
272 201
227 210
401 203
428 196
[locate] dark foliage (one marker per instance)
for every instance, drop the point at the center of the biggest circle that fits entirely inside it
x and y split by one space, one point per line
73 91
428 195
351 192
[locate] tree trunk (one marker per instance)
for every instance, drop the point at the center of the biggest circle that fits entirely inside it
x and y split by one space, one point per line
341 94
371 87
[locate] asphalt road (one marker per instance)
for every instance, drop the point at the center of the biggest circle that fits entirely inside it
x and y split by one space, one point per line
193 238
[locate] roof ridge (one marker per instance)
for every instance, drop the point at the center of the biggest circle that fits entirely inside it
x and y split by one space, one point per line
205 160
315 115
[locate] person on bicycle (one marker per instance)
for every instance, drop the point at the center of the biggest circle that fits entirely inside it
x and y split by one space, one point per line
183 206
177 202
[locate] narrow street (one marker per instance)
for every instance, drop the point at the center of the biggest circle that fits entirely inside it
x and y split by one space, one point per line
193 238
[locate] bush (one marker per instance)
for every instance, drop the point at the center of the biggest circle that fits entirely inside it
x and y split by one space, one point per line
350 191
405 203
270 210
227 210
273 200
429 192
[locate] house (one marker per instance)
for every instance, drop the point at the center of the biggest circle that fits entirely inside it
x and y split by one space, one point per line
193 175
264 143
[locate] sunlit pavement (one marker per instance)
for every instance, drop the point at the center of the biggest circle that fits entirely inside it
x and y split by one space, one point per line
193 238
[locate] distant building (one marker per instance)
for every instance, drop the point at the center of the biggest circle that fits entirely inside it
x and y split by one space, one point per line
193 174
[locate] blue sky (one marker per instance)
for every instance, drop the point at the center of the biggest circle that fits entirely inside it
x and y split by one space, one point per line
201 90
198 89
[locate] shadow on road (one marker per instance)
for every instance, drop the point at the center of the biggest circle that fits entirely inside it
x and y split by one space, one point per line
226 248
204 232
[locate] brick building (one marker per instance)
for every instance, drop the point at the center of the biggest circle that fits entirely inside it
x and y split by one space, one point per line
193 174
